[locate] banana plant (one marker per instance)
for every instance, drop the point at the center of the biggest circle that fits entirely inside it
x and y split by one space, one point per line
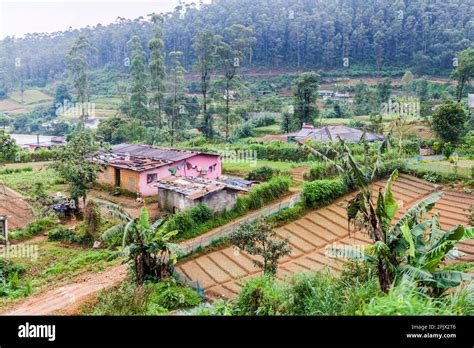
412 247
147 245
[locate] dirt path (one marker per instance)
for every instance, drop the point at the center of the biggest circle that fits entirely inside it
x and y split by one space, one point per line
69 295
62 299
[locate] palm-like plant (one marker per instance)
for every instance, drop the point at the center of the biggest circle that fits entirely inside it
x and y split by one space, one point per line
412 247
147 245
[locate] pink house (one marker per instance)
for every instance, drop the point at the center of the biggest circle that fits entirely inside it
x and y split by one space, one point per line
135 167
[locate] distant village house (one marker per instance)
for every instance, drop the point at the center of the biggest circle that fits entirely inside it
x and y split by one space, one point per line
176 193
134 167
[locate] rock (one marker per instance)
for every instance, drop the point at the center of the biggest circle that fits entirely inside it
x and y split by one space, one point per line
96 245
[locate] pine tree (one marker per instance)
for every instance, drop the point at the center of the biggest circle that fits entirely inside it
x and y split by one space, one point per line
157 71
138 98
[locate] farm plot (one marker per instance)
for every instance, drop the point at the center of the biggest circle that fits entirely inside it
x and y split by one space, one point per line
15 207
222 272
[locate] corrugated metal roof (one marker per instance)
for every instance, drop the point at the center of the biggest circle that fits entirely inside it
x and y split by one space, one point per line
154 152
193 188
332 133
132 162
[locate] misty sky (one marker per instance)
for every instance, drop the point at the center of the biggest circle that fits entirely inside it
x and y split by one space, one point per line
18 17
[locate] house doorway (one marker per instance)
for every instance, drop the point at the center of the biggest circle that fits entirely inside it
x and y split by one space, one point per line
117 177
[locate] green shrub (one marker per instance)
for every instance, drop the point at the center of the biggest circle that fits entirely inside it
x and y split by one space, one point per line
180 221
10 284
201 213
33 228
171 295
320 170
322 192
16 170
406 299
61 233
8 267
127 299
269 191
261 296
287 215
321 293
263 173
411 148
276 151
219 307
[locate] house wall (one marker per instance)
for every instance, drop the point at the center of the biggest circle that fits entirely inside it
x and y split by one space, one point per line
137 181
201 161
129 179
107 176
219 201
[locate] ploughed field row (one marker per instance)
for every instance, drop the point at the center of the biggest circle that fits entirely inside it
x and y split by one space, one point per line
15 207
221 273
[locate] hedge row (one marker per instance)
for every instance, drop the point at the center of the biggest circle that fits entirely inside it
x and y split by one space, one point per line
320 170
200 219
318 193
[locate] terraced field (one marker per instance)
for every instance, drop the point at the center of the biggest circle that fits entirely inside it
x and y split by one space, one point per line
15 207
222 272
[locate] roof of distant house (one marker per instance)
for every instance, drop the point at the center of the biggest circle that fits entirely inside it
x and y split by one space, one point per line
194 188
333 133
276 137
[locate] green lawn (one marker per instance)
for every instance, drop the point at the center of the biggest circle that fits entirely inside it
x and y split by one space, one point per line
30 96
464 167
244 168
272 129
23 182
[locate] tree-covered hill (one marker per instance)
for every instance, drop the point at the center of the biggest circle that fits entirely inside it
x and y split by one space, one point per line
424 35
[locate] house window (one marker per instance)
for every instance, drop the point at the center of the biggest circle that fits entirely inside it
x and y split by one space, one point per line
151 177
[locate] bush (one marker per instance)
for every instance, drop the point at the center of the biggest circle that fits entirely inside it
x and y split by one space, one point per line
322 192
267 192
33 228
10 285
321 293
406 299
264 173
276 151
16 170
219 307
201 213
287 215
8 268
123 300
200 219
261 296
180 221
320 170
61 233
172 295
